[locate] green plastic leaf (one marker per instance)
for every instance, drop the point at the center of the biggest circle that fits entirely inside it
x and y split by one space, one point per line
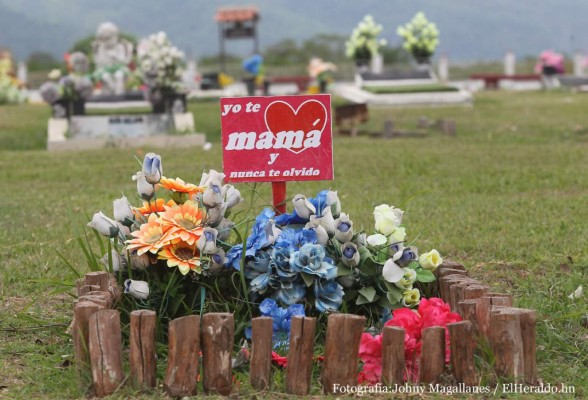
368 292
425 276
384 302
361 299
308 279
394 294
343 270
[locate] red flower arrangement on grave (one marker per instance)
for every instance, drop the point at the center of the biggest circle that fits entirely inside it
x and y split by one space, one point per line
431 312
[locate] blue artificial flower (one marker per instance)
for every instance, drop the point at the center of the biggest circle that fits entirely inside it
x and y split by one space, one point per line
234 257
253 64
259 271
409 254
281 320
319 202
294 239
328 295
311 259
259 238
290 292
281 264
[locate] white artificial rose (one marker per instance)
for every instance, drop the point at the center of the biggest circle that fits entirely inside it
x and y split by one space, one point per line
388 218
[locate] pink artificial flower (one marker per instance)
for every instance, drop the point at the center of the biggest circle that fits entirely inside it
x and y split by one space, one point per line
370 348
431 312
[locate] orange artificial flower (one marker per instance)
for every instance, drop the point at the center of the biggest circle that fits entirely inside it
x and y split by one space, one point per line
154 206
179 186
150 237
184 222
183 256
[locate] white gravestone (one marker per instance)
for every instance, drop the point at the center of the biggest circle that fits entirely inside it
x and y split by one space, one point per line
377 64
510 63
443 68
579 60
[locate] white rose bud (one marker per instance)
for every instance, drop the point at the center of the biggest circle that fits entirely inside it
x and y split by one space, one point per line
104 225
144 188
344 228
137 289
122 210
207 242
303 208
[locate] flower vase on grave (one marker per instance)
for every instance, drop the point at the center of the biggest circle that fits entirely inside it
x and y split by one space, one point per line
167 102
66 108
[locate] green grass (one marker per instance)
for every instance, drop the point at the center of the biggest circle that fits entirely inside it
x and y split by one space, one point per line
436 87
507 197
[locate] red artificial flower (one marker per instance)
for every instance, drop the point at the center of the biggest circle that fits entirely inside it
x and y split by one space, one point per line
280 360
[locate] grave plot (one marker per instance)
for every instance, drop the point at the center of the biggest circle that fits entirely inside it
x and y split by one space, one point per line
94 109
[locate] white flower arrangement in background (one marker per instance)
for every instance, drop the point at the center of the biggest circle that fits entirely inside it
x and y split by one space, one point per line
364 43
420 36
160 64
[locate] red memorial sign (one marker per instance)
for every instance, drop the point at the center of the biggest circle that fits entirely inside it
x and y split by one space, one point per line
276 139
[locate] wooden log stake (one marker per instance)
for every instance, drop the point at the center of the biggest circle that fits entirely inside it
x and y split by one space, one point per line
455 291
484 307
299 367
507 344
446 282
432 361
182 360
103 295
106 351
100 279
392 355
527 319
462 352
99 300
79 283
142 348
87 289
467 310
218 331
450 271
261 352
452 265
341 351
82 312
474 291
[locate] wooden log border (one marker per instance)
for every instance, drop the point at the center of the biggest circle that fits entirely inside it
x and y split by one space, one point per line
487 316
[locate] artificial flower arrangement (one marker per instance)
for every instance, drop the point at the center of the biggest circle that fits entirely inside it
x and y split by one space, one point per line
168 252
179 253
550 63
322 71
160 64
420 37
363 44
315 256
62 91
11 91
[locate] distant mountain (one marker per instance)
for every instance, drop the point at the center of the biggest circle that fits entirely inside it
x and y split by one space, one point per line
470 29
